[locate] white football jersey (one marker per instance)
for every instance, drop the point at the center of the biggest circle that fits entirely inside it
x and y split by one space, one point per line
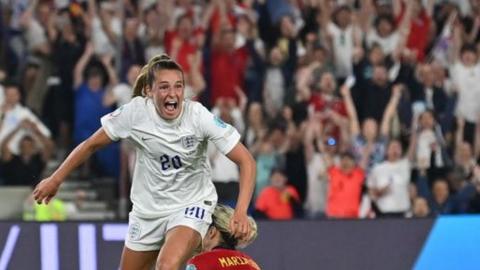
172 168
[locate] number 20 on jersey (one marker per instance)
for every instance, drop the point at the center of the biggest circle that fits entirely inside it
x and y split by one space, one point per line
168 162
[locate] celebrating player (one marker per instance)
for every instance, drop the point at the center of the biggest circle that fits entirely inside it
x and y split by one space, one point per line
172 193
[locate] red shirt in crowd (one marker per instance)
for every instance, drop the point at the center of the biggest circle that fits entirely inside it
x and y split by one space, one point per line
322 105
343 200
275 203
187 48
220 258
228 70
419 33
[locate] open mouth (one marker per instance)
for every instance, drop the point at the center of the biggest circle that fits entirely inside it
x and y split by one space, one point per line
171 106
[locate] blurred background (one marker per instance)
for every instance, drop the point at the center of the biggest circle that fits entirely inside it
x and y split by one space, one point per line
353 109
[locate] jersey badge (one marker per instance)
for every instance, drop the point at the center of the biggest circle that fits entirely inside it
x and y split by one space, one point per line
189 141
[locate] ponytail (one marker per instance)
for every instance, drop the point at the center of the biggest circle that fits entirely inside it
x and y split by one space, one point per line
140 83
147 74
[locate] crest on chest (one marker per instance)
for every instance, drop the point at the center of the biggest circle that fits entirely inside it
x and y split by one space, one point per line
189 141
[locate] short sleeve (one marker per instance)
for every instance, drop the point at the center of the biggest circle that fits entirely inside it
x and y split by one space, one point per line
223 135
118 124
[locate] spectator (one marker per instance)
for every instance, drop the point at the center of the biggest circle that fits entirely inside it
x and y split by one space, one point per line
34 21
133 49
25 168
430 156
12 114
106 26
384 34
388 183
425 92
227 65
328 108
345 188
91 93
342 35
420 21
256 127
441 203
247 35
270 154
464 161
279 200
464 72
421 208
320 153
368 146
68 47
152 30
277 80
180 41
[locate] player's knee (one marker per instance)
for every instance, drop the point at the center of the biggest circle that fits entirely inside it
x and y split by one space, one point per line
167 264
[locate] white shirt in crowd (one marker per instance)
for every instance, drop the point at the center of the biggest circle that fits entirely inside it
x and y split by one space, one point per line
395 175
467 81
317 178
172 168
101 42
423 156
342 49
388 44
12 119
35 34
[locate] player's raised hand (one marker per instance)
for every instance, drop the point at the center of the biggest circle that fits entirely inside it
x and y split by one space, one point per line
45 190
240 225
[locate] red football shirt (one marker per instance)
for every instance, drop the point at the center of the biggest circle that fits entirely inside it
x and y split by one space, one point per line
276 204
220 258
227 71
187 48
417 40
343 200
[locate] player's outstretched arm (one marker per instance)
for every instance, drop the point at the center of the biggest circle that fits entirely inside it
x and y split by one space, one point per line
239 224
48 187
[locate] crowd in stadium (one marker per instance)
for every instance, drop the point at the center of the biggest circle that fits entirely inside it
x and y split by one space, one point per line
351 108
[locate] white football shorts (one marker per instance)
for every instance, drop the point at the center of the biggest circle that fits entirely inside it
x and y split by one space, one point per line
147 234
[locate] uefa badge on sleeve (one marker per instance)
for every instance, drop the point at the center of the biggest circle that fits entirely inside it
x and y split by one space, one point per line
191 267
219 122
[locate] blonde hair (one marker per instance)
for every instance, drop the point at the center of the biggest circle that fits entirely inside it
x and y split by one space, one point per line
147 74
221 220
